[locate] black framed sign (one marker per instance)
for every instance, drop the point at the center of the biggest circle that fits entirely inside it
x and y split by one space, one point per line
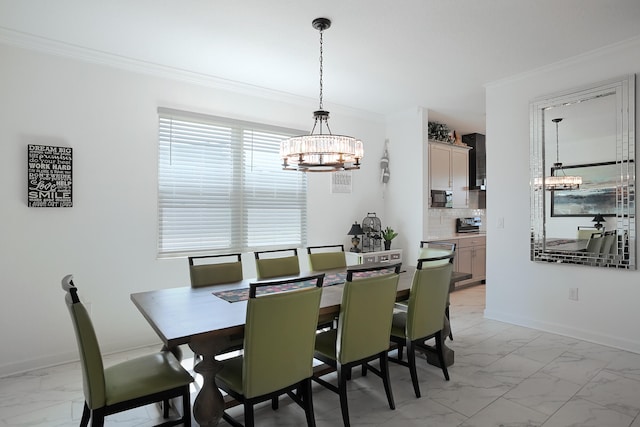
49 176
596 195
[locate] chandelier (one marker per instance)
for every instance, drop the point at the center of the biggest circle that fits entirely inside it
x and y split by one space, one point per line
559 180
321 152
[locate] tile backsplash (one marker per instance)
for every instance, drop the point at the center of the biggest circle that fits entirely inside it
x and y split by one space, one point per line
442 222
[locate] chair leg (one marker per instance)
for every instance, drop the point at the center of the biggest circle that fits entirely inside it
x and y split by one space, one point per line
165 408
411 357
86 414
342 392
400 346
439 350
446 313
186 408
97 417
274 403
248 414
364 369
384 370
307 398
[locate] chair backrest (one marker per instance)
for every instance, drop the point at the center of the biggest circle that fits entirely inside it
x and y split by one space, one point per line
435 251
326 257
279 335
227 268
595 243
269 266
90 356
609 241
365 318
585 232
428 300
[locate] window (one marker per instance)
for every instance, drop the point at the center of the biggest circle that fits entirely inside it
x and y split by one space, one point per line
221 187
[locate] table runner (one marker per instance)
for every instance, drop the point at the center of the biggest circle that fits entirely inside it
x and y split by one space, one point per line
330 279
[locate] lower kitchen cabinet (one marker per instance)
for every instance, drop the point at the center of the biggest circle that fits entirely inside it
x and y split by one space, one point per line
471 257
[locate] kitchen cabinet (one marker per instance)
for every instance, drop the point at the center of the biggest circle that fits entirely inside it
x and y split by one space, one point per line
471 257
449 170
392 256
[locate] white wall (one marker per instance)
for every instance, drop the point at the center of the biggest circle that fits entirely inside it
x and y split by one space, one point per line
536 294
108 239
406 206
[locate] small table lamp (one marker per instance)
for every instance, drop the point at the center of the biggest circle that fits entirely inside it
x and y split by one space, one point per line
355 231
598 219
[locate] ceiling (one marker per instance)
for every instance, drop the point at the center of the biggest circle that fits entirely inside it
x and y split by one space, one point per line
380 56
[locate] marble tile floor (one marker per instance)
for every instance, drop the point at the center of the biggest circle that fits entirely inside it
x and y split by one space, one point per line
504 375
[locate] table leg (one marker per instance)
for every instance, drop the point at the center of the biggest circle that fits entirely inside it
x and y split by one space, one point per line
430 351
209 404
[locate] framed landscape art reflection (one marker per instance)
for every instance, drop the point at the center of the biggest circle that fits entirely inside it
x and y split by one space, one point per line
596 195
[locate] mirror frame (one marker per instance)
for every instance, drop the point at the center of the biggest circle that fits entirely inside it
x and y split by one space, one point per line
623 89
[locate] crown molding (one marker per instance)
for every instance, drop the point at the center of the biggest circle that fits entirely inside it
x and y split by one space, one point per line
53 47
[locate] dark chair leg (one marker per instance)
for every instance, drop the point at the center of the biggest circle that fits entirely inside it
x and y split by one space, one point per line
439 350
97 418
411 357
86 414
186 407
307 398
274 403
384 370
165 408
342 391
364 369
446 313
248 414
400 346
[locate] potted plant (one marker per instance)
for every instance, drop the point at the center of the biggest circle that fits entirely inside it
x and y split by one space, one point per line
388 234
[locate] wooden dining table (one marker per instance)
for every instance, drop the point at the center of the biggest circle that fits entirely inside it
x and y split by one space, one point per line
207 323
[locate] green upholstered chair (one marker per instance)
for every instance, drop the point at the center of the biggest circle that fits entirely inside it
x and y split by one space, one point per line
585 232
424 317
279 339
326 257
595 242
210 270
137 382
362 334
437 250
270 265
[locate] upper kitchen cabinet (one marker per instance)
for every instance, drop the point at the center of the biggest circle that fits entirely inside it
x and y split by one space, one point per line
449 171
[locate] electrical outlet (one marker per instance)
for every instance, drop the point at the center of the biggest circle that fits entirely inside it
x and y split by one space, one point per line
573 294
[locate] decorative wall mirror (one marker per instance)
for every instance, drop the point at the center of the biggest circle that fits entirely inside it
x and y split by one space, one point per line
583 176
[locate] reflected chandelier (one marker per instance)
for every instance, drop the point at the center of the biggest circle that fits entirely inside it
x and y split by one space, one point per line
321 152
559 180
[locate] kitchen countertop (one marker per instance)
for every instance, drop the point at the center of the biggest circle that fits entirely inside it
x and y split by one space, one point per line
457 236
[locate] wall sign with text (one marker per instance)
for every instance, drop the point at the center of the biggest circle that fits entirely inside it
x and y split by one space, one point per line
49 174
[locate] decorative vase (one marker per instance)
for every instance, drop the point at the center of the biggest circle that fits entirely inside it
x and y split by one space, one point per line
387 245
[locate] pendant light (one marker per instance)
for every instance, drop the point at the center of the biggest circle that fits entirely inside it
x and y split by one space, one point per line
321 152
559 180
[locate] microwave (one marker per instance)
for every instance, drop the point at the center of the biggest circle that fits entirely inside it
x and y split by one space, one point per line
441 199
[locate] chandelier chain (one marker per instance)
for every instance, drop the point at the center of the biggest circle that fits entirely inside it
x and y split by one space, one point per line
321 69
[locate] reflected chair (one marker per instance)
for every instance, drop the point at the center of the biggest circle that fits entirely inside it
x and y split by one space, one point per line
136 382
585 232
362 334
595 243
269 266
280 333
609 242
215 270
424 317
324 258
211 270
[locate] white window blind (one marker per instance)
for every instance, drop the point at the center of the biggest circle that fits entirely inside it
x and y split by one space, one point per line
221 187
